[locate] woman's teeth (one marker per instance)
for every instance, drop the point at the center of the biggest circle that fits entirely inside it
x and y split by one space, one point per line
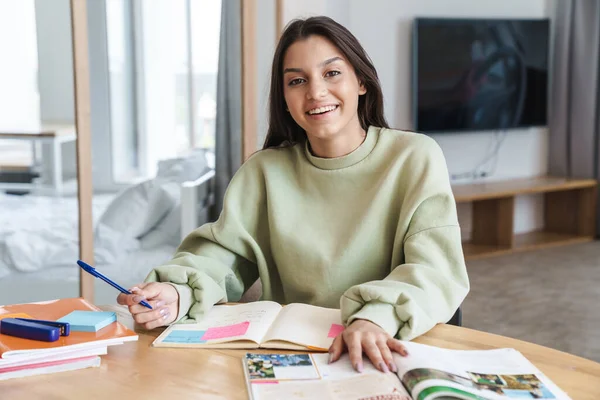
322 110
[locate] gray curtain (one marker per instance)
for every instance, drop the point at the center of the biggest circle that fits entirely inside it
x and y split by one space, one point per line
228 135
574 90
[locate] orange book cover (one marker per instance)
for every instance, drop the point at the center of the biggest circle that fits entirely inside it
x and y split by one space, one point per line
52 310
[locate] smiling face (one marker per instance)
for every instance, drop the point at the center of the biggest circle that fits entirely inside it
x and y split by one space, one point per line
321 91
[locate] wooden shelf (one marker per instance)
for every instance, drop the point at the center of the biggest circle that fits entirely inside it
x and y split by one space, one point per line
15 167
541 239
492 190
569 214
476 251
523 242
15 161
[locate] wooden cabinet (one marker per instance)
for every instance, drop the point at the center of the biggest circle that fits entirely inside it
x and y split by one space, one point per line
569 214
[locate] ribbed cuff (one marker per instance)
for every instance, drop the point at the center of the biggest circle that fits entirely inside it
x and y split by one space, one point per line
381 314
186 299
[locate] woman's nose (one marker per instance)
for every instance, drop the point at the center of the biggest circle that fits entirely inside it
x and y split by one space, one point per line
316 89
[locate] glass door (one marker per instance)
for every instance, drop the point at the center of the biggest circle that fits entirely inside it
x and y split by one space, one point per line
39 235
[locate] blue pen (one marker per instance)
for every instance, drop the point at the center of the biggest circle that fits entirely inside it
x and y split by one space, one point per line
91 270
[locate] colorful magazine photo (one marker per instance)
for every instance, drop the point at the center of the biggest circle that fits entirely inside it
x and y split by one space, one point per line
280 366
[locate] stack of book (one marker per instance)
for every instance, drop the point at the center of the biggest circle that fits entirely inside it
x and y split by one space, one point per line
91 333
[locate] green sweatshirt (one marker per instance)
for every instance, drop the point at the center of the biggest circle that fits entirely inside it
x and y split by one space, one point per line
374 232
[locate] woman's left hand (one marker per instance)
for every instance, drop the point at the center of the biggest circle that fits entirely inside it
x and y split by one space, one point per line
364 336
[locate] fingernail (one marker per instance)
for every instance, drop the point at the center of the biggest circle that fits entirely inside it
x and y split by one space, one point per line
393 367
166 315
330 358
404 352
160 303
163 311
137 299
383 368
359 367
134 289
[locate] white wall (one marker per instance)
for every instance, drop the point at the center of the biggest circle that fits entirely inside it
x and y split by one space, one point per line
384 28
53 21
55 75
265 47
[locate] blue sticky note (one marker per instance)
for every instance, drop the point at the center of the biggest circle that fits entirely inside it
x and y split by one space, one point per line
184 337
89 321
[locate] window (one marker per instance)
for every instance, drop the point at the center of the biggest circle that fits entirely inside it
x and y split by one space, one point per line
19 66
163 80
18 77
205 23
121 66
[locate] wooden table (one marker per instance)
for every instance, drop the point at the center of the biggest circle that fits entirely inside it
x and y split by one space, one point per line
137 371
53 134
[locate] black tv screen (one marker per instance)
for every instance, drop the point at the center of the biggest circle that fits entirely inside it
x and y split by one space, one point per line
474 74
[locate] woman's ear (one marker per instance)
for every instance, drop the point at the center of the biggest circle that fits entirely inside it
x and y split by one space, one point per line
362 89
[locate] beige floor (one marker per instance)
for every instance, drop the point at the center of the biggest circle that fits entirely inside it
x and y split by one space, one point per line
549 297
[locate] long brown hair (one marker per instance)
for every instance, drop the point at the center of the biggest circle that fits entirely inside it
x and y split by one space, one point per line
283 130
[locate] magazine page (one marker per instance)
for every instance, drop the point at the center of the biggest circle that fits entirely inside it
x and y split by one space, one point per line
304 327
429 373
337 381
224 326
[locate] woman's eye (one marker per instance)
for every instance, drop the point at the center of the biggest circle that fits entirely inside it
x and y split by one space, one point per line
296 81
332 73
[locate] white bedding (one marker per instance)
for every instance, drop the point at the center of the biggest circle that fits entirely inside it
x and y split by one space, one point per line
41 232
63 281
134 230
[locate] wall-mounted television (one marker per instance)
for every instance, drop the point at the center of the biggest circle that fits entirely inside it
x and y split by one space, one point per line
479 74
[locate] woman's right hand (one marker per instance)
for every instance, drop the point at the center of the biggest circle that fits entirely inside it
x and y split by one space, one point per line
163 298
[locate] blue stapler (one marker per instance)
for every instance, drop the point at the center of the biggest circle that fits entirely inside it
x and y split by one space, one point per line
34 329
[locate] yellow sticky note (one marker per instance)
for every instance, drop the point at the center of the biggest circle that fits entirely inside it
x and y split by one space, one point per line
18 315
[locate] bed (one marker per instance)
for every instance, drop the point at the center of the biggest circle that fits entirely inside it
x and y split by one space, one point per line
134 230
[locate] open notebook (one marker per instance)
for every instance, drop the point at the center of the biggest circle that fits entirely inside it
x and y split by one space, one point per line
261 324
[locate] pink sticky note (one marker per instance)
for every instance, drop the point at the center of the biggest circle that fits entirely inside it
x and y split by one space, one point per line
228 331
335 330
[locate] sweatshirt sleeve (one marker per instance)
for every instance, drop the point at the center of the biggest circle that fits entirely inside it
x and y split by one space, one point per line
218 261
430 282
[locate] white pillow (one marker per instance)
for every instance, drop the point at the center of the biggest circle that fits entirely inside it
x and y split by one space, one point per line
136 210
182 169
110 244
167 231
5 261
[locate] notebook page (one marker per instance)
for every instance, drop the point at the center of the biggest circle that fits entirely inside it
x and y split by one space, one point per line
310 326
225 323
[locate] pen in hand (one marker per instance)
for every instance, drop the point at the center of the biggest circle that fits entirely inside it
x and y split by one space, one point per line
92 271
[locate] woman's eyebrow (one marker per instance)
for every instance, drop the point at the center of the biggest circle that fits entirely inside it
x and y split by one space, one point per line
322 64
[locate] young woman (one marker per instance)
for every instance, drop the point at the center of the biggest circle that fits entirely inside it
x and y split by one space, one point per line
337 210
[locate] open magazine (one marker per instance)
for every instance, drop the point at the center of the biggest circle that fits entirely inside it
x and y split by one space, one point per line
260 324
427 373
